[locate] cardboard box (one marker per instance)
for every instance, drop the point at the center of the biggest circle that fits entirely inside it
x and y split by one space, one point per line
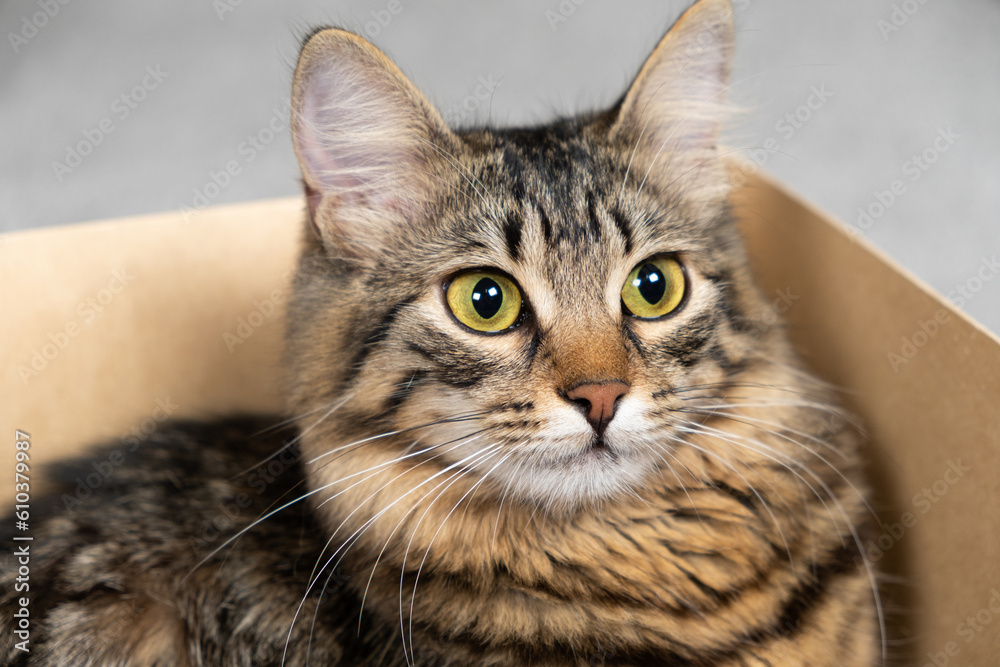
111 327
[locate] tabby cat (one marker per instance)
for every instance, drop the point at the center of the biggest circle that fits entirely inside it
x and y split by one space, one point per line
540 416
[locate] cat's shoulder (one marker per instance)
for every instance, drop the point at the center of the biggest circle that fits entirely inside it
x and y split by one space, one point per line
140 546
182 465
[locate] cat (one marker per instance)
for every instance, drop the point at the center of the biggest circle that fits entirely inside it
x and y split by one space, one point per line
539 415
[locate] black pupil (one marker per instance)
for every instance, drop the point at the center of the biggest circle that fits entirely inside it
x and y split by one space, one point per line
651 283
487 297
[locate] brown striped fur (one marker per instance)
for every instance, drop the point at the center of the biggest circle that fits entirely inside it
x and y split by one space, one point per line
458 508
718 537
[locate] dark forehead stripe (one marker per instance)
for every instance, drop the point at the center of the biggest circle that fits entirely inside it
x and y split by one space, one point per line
514 170
568 184
512 233
543 217
592 219
547 170
621 223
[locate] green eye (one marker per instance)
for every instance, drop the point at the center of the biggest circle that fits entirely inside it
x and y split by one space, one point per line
485 301
654 288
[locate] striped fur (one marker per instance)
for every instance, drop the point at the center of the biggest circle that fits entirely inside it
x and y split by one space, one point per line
453 504
720 525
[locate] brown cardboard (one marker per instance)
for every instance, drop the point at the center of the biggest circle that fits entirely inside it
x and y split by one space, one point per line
158 345
182 337
939 407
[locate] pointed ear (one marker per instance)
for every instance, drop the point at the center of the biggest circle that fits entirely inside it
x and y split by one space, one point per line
364 137
672 114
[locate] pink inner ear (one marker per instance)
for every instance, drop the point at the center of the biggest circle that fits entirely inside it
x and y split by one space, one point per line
357 137
333 158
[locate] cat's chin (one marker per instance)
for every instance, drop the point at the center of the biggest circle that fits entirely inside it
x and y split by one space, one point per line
597 454
596 474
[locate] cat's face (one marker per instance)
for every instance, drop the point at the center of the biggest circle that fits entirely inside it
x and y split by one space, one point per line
525 313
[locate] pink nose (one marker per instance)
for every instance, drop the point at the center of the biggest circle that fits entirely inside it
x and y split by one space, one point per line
598 401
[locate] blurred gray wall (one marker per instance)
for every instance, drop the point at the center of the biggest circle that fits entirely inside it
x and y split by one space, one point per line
857 95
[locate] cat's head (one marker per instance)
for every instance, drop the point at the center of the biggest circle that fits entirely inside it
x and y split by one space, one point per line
535 308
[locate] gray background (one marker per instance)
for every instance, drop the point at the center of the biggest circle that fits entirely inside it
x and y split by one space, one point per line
227 66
